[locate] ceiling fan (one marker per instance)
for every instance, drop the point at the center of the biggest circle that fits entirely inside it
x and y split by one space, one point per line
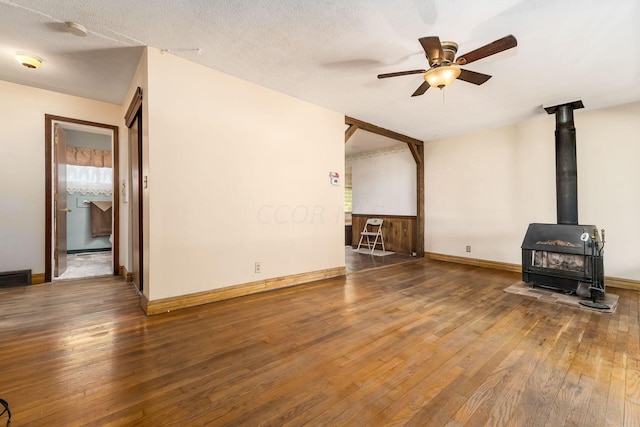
445 68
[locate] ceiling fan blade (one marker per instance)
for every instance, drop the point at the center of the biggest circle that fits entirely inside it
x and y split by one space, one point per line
401 73
433 48
497 46
473 77
421 89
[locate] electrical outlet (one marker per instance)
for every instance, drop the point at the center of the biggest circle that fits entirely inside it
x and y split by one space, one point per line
257 267
468 248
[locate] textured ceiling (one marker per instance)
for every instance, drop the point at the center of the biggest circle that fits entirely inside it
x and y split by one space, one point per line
363 142
329 52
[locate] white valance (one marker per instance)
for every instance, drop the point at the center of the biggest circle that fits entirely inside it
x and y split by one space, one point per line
89 180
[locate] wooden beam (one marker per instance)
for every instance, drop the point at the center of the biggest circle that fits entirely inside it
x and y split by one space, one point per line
349 132
417 151
419 157
381 131
414 152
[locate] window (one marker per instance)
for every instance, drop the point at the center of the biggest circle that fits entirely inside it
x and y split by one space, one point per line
89 180
348 199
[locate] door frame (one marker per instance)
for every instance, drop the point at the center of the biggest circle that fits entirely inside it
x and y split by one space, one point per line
136 205
59 192
48 191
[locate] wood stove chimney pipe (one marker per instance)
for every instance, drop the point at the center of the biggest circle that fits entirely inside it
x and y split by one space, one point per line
566 163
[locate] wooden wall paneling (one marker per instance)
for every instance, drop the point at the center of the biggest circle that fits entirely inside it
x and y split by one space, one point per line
399 232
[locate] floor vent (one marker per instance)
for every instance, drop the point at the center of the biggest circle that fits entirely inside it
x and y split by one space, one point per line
15 278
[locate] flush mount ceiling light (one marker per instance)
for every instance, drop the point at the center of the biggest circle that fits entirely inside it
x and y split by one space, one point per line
442 76
76 29
29 61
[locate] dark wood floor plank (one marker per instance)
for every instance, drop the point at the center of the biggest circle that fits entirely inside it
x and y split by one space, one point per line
602 358
413 408
557 340
420 342
632 380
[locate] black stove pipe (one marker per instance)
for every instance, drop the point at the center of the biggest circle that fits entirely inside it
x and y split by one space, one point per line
566 163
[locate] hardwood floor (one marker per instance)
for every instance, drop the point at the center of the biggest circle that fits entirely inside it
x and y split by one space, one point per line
423 343
356 261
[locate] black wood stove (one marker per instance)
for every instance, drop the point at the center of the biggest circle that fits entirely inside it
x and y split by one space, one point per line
565 256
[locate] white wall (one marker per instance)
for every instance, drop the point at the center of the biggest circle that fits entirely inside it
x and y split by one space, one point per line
238 174
483 189
384 182
22 195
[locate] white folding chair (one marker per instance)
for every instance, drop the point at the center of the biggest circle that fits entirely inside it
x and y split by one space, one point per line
372 232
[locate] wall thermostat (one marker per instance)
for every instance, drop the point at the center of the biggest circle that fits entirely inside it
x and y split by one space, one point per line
334 178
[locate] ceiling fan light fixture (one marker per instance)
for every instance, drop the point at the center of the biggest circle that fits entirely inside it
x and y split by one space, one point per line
29 61
442 76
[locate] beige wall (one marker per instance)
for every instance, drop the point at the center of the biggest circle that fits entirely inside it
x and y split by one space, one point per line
238 174
384 182
22 228
483 189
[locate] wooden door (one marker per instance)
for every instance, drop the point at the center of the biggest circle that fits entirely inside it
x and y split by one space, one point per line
60 208
136 199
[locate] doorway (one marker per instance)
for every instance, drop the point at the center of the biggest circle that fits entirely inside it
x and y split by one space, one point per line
386 188
81 199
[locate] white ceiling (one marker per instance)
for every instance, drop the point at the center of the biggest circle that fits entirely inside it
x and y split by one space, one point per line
329 52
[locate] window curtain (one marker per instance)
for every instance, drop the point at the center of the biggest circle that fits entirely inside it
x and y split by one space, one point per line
88 157
89 180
